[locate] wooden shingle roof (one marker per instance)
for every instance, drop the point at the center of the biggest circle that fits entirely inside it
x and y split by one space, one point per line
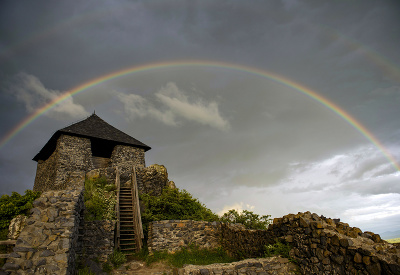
92 127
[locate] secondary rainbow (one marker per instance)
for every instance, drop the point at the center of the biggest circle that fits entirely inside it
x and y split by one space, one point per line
223 65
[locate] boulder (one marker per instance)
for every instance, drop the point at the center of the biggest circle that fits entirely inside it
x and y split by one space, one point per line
16 226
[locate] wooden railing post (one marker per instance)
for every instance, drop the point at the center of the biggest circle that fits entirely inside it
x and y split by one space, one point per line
7 242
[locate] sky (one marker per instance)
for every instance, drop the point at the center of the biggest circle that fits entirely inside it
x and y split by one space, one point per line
275 107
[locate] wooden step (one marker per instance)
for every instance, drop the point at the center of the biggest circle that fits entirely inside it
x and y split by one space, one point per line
8 242
129 244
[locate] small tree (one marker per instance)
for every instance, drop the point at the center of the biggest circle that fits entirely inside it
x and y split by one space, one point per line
249 219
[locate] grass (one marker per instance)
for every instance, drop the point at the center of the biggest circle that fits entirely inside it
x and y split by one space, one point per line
189 255
85 271
396 240
277 248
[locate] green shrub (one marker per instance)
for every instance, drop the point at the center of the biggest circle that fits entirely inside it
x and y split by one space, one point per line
247 218
100 199
173 204
117 258
107 267
10 207
14 205
277 248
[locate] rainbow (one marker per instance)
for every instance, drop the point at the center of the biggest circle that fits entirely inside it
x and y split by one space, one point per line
222 65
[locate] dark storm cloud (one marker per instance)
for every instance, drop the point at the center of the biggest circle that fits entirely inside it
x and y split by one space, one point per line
248 134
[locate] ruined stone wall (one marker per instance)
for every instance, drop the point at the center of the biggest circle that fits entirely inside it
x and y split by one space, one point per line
125 157
72 157
240 242
319 245
172 235
109 173
153 179
323 246
48 244
98 239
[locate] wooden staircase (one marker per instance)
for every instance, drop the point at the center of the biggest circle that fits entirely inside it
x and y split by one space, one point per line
127 240
129 224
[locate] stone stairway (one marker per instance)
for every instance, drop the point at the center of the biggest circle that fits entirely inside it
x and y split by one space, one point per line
127 240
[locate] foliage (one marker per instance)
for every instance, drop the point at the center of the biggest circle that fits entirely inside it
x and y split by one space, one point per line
117 258
249 219
10 207
107 267
174 204
395 240
14 205
277 248
85 271
100 199
190 255
196 256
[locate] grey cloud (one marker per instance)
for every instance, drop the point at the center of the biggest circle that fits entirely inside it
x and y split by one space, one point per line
176 106
29 90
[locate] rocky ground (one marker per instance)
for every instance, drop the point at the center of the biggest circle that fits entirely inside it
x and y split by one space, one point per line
139 267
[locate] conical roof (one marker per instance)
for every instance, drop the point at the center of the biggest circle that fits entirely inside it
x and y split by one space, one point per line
92 127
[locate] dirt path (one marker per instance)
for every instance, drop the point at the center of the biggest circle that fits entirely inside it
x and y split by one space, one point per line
139 267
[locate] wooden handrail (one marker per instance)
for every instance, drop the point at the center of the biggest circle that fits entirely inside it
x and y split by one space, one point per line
136 212
8 242
118 184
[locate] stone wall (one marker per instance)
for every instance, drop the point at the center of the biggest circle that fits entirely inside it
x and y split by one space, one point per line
320 245
323 246
171 235
109 173
244 243
125 157
46 172
99 162
49 242
153 179
72 157
98 239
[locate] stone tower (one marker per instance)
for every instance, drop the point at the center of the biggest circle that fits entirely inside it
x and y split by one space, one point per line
86 145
